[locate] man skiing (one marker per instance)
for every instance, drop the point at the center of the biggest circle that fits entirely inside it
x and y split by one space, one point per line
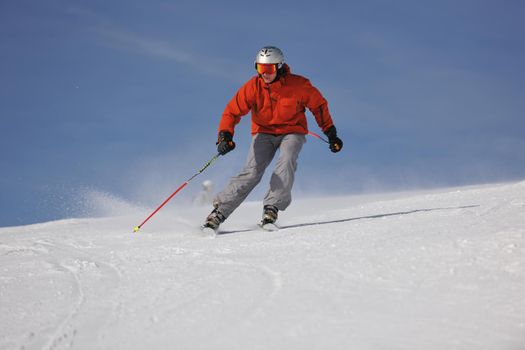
277 100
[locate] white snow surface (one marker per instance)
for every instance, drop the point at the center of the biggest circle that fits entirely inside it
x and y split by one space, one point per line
440 269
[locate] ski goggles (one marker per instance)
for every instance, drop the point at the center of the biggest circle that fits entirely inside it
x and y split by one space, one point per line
266 68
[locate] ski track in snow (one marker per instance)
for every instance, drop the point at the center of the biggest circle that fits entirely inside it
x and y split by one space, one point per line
441 269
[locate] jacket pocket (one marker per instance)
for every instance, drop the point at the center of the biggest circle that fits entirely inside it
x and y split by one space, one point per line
288 107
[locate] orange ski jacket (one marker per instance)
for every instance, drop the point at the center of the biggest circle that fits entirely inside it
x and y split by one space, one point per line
277 108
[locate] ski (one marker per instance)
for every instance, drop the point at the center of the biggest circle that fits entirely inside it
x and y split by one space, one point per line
207 231
268 226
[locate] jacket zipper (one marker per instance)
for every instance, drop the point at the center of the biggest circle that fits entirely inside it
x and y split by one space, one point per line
270 97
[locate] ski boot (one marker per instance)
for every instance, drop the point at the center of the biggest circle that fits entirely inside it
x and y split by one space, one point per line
211 226
269 218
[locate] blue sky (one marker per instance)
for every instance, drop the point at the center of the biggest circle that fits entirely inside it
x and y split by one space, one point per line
124 97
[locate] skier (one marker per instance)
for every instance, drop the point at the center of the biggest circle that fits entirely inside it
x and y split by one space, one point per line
205 196
277 100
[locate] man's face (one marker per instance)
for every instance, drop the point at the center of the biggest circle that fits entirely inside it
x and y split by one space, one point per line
268 72
268 78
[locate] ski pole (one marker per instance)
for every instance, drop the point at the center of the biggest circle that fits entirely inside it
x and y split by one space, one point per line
137 228
319 137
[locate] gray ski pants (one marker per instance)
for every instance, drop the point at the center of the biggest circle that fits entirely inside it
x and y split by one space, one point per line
261 153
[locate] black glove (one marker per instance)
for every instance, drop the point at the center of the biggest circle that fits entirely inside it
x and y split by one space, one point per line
336 144
225 143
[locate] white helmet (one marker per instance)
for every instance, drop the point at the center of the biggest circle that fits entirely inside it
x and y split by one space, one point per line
270 55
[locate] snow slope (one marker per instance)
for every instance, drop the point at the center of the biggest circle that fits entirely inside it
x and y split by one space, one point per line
430 270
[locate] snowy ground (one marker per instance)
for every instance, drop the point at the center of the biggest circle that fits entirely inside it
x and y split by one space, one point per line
430 270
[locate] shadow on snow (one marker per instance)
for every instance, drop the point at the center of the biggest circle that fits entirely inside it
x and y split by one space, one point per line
377 216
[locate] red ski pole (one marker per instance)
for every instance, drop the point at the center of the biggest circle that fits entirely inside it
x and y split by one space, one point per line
136 228
319 137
